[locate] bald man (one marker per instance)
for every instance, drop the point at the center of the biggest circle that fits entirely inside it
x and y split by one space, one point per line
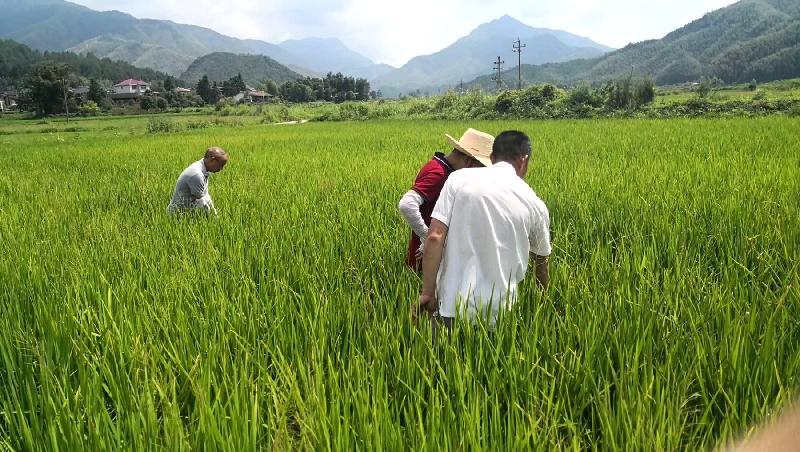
191 190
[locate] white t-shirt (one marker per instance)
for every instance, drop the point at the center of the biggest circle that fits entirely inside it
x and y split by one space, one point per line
494 221
191 190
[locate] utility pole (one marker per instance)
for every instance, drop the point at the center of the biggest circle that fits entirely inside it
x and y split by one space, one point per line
498 66
66 96
461 90
518 46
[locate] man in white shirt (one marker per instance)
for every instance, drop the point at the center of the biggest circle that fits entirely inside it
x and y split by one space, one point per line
486 226
191 189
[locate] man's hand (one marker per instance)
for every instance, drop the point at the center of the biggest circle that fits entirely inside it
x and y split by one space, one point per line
426 303
418 254
431 259
542 271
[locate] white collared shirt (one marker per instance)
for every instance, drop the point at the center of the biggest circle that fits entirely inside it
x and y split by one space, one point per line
495 221
191 189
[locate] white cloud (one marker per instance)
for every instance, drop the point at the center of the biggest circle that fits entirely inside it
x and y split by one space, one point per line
393 32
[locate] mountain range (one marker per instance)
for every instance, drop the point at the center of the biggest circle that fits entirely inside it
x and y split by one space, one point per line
170 47
751 39
163 45
473 55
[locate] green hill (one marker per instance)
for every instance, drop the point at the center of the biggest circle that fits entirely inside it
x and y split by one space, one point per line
220 66
751 39
16 61
159 44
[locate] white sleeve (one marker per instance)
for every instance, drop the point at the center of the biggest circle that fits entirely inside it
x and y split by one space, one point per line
444 206
409 209
206 203
539 236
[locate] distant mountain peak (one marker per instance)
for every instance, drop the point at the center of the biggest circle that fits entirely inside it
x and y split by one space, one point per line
504 23
470 55
506 19
316 40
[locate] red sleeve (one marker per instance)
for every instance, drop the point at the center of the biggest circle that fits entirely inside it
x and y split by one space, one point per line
429 181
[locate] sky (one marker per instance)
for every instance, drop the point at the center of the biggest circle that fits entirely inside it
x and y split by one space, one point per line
393 32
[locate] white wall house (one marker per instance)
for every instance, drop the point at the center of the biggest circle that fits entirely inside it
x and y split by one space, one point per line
131 86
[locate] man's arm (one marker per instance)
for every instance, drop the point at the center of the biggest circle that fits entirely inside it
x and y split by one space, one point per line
541 266
539 237
431 260
409 209
197 186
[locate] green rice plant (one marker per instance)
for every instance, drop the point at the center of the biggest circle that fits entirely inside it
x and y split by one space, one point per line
282 323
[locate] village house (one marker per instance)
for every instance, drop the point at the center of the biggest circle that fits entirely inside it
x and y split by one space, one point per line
8 102
82 89
129 89
252 96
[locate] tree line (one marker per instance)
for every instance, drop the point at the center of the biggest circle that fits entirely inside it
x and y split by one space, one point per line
331 88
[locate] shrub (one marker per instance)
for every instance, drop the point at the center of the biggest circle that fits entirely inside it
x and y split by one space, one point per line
446 102
200 124
644 92
505 102
584 95
161 125
418 108
353 112
619 94
89 108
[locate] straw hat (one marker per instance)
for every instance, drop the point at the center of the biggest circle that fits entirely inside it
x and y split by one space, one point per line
475 144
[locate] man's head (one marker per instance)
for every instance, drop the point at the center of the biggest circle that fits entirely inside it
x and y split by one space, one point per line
513 147
215 159
460 160
472 150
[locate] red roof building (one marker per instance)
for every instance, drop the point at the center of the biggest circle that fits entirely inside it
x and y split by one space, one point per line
131 87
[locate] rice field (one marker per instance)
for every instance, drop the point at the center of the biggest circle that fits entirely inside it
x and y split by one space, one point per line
671 321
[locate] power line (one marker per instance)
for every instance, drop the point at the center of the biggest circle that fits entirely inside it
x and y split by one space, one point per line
518 46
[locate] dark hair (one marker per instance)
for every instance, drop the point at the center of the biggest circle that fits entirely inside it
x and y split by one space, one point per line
511 145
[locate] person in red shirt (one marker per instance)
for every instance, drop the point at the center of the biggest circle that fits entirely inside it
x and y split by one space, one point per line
416 206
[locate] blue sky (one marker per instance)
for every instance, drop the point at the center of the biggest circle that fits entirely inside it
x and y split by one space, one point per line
393 32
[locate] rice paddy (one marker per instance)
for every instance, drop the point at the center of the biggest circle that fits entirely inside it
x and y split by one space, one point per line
671 321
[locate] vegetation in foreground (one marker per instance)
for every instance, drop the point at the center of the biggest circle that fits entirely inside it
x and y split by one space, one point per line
670 322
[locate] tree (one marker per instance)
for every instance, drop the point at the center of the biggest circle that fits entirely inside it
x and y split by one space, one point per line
296 91
332 88
215 94
233 86
270 87
162 103
644 92
169 84
96 93
147 103
362 89
203 89
620 94
46 88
